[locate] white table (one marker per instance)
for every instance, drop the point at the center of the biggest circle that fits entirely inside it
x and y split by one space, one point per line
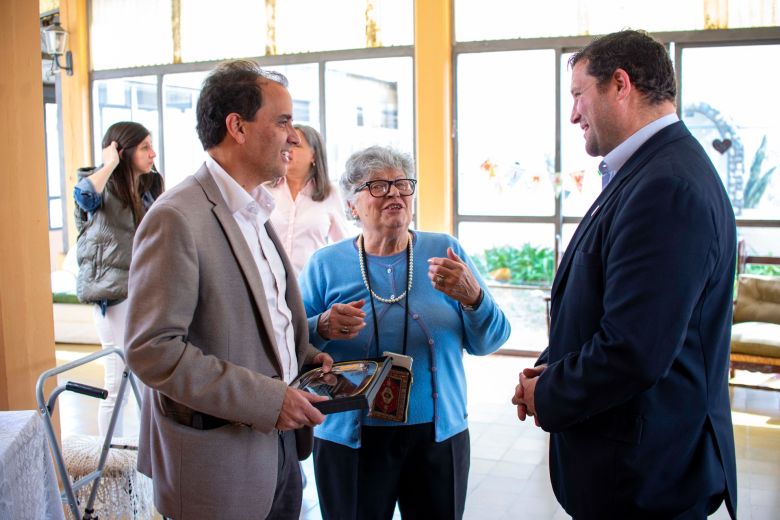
28 483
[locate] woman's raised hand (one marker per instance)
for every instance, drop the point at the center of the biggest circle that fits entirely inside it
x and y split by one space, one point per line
342 320
111 155
453 277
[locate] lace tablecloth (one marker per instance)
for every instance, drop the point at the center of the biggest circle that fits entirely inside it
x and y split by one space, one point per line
28 485
123 494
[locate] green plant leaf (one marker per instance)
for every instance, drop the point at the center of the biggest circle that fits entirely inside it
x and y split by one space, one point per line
757 182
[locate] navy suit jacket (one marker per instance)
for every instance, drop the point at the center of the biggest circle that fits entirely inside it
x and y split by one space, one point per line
635 393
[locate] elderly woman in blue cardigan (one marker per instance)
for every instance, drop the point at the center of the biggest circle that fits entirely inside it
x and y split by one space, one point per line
409 292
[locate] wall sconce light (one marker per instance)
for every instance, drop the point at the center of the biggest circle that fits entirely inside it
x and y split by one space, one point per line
55 38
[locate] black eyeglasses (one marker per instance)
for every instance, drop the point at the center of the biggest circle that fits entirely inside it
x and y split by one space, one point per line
380 187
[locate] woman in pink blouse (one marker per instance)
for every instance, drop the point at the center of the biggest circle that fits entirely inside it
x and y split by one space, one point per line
309 212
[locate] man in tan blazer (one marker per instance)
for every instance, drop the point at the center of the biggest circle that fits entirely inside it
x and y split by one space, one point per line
216 327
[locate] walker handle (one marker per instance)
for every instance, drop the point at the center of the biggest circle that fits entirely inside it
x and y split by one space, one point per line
91 391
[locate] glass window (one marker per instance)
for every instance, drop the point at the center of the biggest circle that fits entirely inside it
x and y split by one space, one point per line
235 30
130 33
504 19
516 261
726 103
516 253
760 241
183 152
394 21
506 133
566 235
299 24
124 99
53 170
55 213
368 102
304 86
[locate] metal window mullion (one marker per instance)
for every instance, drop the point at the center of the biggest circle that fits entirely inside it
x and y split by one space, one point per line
558 237
160 124
264 61
456 217
322 111
63 176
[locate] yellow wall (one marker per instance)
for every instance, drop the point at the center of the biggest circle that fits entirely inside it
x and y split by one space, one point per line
433 99
76 113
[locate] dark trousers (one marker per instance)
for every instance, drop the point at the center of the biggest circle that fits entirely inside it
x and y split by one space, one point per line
289 487
428 479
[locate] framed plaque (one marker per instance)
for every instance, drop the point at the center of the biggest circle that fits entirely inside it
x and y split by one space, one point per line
350 385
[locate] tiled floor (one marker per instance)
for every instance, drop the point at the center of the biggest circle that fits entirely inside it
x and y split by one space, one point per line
509 473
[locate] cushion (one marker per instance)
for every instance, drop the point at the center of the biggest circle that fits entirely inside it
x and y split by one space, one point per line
756 338
758 299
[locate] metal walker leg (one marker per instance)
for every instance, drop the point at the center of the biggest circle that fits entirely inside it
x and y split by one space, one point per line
45 408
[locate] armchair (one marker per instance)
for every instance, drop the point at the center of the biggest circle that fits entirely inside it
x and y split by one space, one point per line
755 334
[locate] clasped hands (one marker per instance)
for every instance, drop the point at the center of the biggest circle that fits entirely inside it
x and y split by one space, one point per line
524 393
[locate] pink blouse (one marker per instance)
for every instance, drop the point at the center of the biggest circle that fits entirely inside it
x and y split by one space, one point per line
304 225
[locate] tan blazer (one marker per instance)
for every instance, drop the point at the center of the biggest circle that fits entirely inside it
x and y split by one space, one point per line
200 337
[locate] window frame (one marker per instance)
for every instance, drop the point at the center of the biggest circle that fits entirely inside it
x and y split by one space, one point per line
676 41
319 58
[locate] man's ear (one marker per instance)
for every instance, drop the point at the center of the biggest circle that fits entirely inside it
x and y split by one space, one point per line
235 127
622 83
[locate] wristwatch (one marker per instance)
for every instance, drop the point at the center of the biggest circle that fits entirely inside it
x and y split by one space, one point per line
471 308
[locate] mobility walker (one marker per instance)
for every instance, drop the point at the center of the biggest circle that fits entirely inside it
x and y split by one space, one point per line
46 406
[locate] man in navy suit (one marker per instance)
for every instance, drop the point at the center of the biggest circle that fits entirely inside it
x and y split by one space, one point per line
633 386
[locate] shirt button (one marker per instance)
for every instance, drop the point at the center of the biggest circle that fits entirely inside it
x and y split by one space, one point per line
389 269
435 395
415 316
433 369
430 341
392 296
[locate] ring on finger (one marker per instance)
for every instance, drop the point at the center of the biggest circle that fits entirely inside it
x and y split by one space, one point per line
344 330
439 279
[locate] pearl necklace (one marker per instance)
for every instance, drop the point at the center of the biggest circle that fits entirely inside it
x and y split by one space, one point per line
409 270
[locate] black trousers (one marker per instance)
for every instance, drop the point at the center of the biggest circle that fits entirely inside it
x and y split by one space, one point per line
400 464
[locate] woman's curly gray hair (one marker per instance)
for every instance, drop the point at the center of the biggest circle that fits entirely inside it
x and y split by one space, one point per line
362 164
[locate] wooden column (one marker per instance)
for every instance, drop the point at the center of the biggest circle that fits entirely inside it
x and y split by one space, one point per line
26 324
433 94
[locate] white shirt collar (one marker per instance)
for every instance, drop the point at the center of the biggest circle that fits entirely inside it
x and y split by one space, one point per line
623 152
259 202
307 188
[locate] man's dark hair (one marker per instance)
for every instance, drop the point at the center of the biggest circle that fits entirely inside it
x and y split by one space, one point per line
232 87
644 59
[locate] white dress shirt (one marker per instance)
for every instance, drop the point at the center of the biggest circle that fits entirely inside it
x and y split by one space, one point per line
251 212
305 225
615 159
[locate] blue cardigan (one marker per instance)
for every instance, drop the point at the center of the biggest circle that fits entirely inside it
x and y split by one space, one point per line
439 330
